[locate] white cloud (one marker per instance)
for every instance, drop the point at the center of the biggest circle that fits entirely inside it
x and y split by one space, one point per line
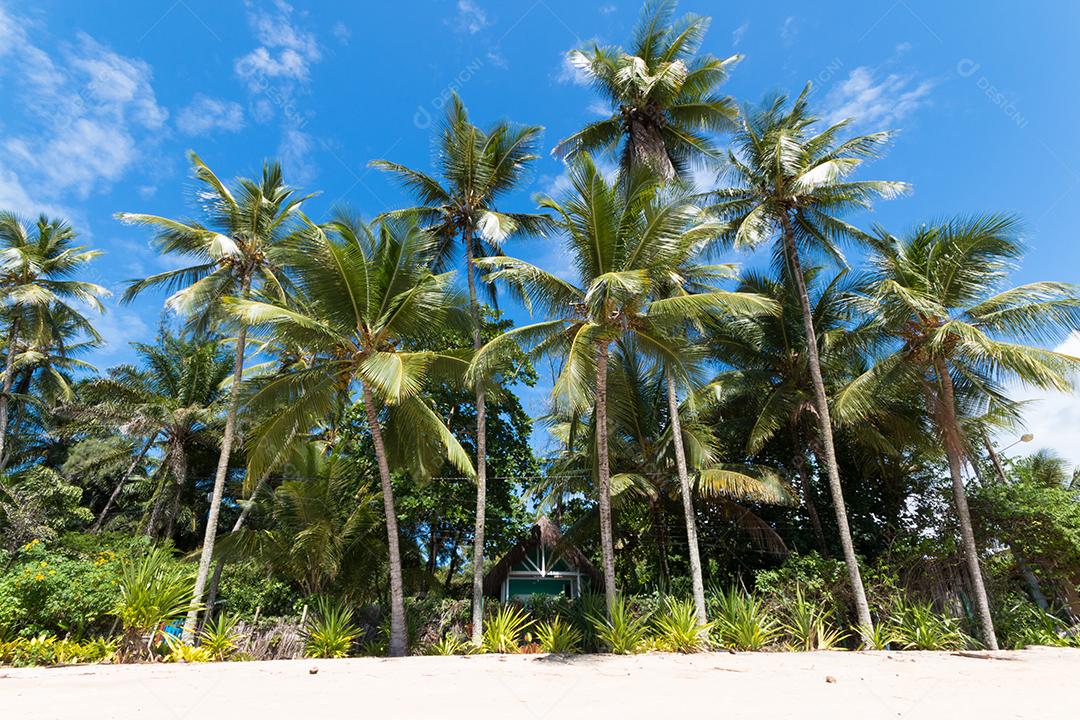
295 152
207 114
607 9
789 30
873 101
599 108
1053 418
285 52
470 17
94 113
737 34
119 326
341 31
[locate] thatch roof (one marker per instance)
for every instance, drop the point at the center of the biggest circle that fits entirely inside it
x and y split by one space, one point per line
543 532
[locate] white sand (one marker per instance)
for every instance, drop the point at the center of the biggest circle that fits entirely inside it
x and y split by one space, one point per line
1036 683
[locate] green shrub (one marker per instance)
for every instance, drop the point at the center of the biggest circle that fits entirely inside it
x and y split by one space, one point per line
742 621
450 644
1020 623
917 626
152 590
180 652
49 650
620 631
65 588
676 628
219 636
559 637
881 636
330 630
809 626
503 631
247 586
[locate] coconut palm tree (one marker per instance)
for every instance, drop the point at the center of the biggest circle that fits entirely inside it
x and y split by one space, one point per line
174 400
789 184
234 254
365 292
624 237
960 337
663 95
36 264
478 167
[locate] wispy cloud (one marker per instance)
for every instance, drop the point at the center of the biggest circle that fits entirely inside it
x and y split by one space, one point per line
93 112
607 9
206 114
789 30
569 73
877 100
284 51
737 33
470 17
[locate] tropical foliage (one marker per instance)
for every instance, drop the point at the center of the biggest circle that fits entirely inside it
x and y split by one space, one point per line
344 421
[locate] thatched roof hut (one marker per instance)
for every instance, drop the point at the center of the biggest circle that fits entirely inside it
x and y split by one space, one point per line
541 564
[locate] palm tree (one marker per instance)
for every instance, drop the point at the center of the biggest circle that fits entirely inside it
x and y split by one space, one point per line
958 340
663 95
478 167
174 401
365 292
624 237
648 448
234 254
789 185
36 264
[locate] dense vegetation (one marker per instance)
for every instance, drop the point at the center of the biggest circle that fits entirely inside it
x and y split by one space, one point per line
325 447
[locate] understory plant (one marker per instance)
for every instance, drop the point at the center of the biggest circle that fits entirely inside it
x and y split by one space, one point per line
809 626
558 636
179 651
676 628
917 626
504 630
621 631
45 649
219 636
153 590
742 621
330 630
450 644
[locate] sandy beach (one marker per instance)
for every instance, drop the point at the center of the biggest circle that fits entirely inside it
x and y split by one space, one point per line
1033 683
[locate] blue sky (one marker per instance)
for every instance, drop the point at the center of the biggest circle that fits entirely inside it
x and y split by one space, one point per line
100 100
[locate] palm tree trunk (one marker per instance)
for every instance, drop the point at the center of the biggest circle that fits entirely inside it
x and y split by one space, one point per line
96 527
804 489
481 461
647 148
178 463
821 404
397 591
688 503
210 536
16 419
953 437
9 379
211 590
607 546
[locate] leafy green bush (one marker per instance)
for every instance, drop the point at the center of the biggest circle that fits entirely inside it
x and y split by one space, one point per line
558 636
676 628
917 626
742 620
809 626
450 644
1020 623
246 587
330 630
621 631
179 651
65 588
49 650
152 590
219 636
503 631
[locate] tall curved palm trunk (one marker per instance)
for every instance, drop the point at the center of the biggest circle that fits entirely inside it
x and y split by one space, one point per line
607 546
481 459
821 404
397 590
687 502
9 380
210 536
954 444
